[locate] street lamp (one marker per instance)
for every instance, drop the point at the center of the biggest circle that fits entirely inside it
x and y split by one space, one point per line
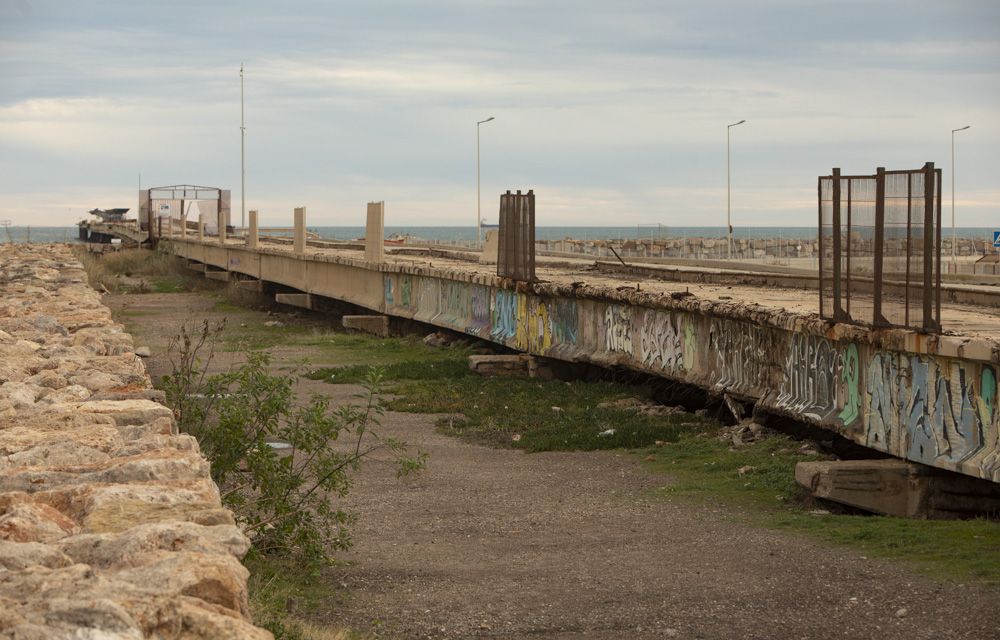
729 220
479 218
954 259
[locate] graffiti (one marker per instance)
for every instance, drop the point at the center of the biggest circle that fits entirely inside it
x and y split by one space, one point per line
480 308
388 291
881 376
618 329
690 346
564 321
504 315
534 333
405 286
660 342
742 355
849 377
809 386
455 302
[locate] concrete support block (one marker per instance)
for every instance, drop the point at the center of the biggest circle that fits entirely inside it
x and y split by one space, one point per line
376 325
375 233
197 266
201 227
223 275
252 236
490 248
509 365
899 488
303 300
250 285
299 244
222 226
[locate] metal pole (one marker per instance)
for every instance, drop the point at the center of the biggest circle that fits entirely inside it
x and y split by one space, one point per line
954 259
729 220
243 170
479 217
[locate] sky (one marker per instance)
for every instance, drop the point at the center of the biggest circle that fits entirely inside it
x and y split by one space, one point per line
615 113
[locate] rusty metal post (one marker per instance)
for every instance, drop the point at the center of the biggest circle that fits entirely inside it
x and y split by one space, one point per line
838 310
909 238
937 264
929 175
819 199
877 318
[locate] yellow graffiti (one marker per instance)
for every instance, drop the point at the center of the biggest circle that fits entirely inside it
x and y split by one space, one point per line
534 330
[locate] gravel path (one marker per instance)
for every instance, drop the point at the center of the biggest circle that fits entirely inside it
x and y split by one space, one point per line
488 543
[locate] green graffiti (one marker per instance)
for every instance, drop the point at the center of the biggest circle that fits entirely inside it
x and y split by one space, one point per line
690 345
987 395
405 286
849 374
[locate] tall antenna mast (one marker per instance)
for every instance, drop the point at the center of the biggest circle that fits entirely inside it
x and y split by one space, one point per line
243 169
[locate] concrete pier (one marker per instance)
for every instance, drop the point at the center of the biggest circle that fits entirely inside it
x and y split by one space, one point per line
760 345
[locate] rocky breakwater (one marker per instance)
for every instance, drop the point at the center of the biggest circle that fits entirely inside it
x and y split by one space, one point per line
110 525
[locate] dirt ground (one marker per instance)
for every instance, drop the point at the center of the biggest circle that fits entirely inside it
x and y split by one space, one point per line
488 543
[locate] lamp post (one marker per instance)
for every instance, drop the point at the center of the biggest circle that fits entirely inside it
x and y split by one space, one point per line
954 259
479 218
243 170
729 219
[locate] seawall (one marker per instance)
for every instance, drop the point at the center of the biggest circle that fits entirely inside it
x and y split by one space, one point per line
110 524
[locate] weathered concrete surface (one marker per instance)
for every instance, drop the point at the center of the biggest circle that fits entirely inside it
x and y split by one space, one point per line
899 488
375 325
929 399
110 525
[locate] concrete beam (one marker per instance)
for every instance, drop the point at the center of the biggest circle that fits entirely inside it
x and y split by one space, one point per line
224 276
197 266
250 285
376 325
201 227
899 488
303 300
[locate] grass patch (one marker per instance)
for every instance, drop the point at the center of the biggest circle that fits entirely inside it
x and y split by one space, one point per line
708 469
536 415
283 596
139 271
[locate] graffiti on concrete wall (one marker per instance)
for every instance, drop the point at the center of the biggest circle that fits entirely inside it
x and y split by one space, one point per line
504 316
743 355
661 344
938 411
389 300
534 331
479 320
811 376
564 320
618 329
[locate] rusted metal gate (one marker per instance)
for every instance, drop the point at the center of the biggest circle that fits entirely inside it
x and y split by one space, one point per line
880 248
516 247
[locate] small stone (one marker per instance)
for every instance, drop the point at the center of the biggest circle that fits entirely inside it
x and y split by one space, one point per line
143 352
745 470
901 612
650 458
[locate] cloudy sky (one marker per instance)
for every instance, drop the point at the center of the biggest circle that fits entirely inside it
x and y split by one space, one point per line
613 112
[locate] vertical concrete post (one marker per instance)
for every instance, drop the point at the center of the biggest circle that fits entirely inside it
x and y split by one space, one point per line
300 230
375 232
201 227
221 216
184 224
252 233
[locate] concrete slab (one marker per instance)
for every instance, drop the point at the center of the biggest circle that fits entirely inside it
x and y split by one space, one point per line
224 276
250 285
303 300
375 325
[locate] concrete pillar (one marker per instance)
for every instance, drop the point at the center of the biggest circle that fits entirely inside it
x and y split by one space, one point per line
490 248
170 226
201 227
221 216
183 224
375 232
300 230
252 233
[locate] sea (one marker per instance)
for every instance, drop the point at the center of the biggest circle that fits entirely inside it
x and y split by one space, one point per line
467 234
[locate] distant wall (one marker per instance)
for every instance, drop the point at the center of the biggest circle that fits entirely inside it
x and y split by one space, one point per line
932 399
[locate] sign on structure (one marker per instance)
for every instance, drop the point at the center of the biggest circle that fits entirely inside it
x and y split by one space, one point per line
996 238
